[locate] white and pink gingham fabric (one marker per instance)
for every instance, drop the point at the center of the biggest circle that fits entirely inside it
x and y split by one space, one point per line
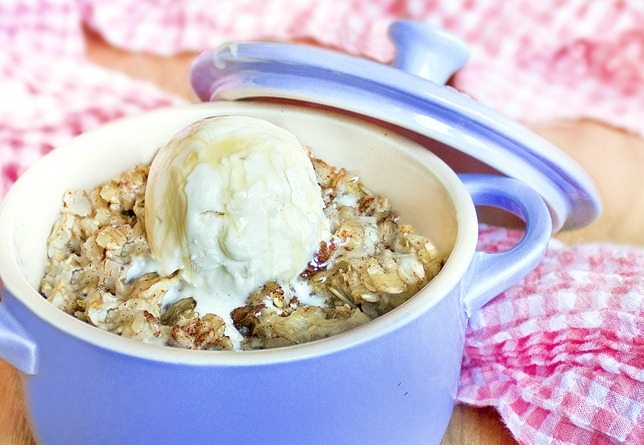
561 354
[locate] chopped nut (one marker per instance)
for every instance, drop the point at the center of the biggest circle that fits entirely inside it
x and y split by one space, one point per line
113 237
175 311
204 333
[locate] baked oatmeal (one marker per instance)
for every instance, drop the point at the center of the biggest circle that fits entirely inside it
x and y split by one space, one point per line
99 270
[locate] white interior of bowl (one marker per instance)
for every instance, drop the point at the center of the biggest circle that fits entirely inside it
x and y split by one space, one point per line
421 188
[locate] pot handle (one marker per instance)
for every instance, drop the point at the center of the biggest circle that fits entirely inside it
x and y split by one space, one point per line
15 346
492 273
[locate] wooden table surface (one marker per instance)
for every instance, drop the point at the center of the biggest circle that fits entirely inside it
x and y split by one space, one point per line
614 159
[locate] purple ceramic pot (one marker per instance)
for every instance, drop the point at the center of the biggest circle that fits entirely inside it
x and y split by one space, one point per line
391 381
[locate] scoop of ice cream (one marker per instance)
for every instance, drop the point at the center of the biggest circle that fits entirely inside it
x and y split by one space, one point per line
232 203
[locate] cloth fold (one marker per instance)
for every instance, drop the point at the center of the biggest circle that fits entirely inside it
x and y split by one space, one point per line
561 354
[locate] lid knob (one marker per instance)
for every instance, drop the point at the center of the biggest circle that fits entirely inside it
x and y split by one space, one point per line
427 51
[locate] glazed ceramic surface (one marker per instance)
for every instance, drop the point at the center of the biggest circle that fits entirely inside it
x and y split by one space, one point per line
410 94
391 381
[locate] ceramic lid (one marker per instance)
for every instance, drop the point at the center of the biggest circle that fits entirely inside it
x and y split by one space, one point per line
410 94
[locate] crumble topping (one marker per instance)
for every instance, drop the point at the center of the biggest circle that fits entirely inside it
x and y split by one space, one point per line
99 270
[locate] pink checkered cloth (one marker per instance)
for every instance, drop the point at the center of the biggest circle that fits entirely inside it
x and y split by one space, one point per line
561 354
